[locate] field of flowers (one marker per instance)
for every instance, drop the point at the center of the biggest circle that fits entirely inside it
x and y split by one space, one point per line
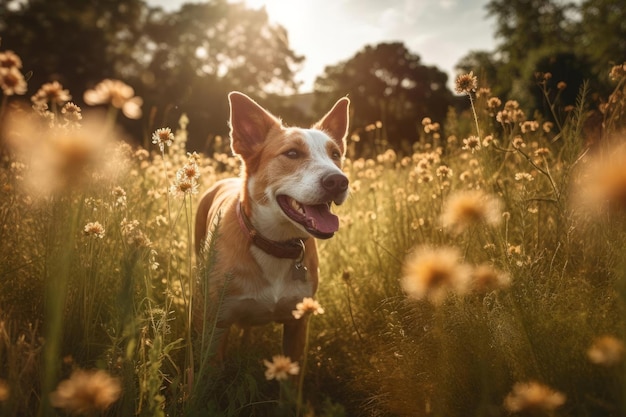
482 275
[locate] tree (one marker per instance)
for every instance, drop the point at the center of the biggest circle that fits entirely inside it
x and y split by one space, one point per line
185 61
387 83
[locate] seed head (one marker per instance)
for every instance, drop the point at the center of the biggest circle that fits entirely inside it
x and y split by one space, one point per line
466 83
86 392
280 368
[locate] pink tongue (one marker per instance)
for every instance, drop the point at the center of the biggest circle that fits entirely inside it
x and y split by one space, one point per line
320 218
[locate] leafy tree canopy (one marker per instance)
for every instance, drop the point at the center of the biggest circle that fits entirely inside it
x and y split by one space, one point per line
183 61
390 84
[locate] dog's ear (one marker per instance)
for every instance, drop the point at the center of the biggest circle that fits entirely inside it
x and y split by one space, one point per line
249 124
335 122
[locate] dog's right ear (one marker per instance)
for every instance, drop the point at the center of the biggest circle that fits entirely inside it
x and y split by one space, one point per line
249 124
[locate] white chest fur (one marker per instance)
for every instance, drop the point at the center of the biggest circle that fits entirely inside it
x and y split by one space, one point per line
275 299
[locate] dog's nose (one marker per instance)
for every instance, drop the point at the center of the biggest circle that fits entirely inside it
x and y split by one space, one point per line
335 183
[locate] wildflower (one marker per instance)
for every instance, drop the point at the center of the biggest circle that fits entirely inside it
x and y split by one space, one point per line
541 152
9 59
280 368
518 142
430 273
466 83
86 392
529 126
466 208
606 351
71 112
444 171
486 278
60 158
162 137
51 93
308 305
603 182
524 176
617 72
118 94
561 85
120 196
94 229
533 397
547 126
494 103
487 141
12 81
472 143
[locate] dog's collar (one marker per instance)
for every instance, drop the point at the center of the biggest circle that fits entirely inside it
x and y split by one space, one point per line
289 249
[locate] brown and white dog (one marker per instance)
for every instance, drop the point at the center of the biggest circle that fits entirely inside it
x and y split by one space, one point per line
269 218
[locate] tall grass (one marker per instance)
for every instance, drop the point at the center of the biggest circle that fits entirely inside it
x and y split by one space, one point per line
98 273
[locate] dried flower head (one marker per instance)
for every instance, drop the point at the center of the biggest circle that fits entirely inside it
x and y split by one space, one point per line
430 273
59 159
86 392
472 143
307 306
12 81
487 278
116 93
72 113
280 368
602 183
52 93
617 72
466 83
94 229
533 397
606 351
9 59
163 137
467 208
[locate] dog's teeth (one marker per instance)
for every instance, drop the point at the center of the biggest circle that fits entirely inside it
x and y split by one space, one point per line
296 206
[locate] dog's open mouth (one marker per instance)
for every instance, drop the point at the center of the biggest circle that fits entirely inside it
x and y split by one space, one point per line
316 218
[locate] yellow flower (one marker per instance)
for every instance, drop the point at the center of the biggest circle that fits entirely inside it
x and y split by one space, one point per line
467 208
280 368
431 273
533 397
86 392
307 306
606 351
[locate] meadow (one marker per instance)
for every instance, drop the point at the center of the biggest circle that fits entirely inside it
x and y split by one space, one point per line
481 275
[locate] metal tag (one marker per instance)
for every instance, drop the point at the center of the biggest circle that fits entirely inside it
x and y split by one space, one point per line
299 272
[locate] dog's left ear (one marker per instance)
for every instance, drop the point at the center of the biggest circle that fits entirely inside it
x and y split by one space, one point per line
335 123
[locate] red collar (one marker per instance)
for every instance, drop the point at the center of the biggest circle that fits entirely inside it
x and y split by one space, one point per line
289 249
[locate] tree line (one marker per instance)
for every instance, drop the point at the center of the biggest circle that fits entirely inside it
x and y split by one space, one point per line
187 60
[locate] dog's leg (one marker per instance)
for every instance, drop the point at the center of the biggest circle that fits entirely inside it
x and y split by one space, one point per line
294 338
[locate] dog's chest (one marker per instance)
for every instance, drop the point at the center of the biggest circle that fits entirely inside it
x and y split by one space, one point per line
282 287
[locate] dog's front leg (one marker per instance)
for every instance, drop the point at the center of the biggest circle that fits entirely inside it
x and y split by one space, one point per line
294 338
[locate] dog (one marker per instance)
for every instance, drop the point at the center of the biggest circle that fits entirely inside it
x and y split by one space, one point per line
263 225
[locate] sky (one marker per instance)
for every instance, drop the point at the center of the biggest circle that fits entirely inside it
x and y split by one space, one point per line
327 32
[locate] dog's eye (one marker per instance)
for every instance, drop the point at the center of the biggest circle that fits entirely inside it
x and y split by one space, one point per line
292 154
336 155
